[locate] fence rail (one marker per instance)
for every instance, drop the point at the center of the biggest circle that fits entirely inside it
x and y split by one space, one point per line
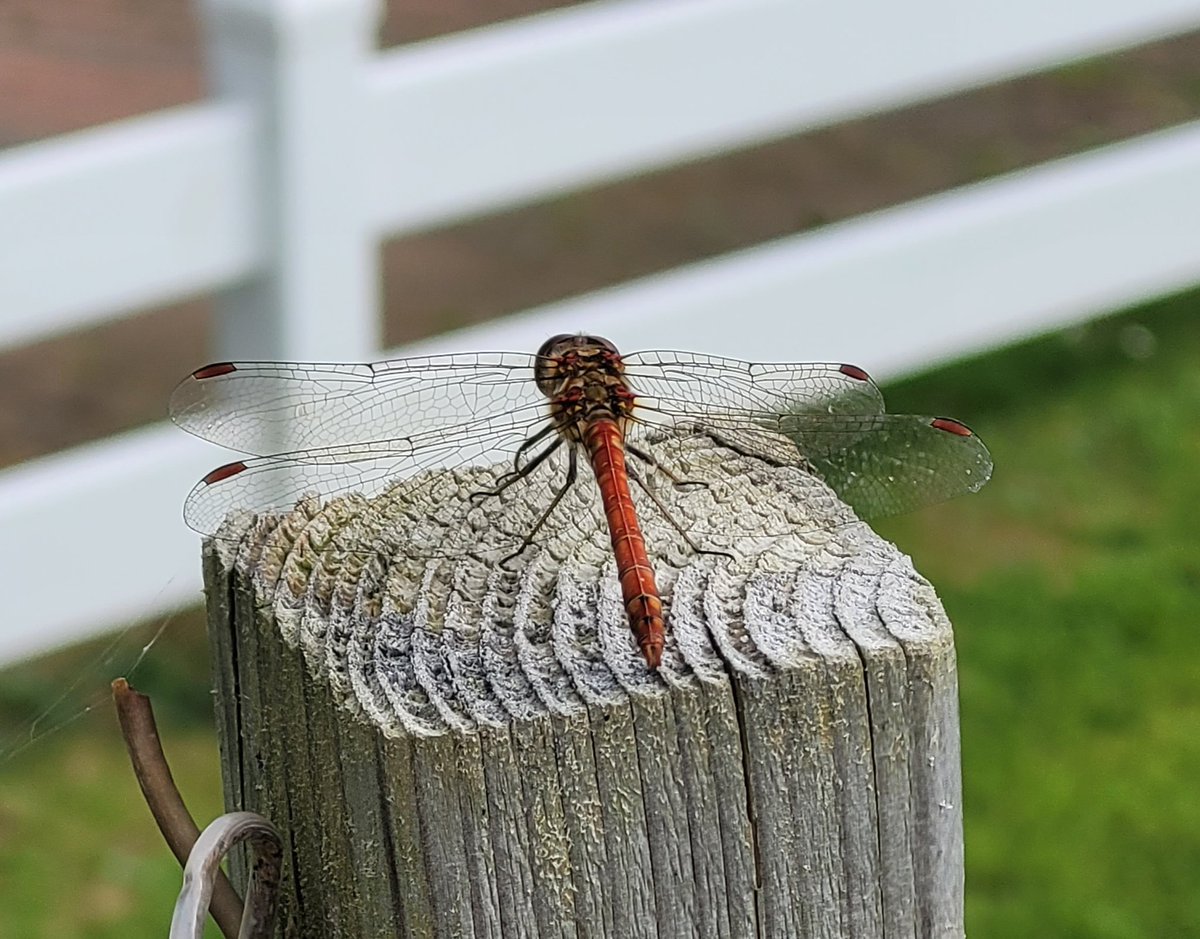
316 136
122 216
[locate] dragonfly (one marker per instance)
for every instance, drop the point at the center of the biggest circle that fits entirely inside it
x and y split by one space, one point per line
332 429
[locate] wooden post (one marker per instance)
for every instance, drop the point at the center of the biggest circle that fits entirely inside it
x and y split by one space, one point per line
451 748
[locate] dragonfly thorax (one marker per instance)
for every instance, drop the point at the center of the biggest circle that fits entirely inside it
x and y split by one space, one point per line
591 397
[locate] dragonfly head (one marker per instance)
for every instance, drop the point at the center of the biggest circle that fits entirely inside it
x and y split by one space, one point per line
569 355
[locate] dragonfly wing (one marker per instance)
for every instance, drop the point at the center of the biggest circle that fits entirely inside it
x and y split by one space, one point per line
276 407
276 482
895 463
833 416
891 463
678 387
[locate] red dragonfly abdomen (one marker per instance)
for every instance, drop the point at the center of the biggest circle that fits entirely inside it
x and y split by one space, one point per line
605 446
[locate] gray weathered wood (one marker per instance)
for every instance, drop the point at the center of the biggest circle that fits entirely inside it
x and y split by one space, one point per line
460 748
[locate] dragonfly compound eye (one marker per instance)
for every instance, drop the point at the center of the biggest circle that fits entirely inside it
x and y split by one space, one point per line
557 345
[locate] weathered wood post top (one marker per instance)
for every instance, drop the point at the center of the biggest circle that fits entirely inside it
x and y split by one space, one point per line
470 744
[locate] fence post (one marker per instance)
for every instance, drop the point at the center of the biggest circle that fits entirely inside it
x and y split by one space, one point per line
453 747
299 66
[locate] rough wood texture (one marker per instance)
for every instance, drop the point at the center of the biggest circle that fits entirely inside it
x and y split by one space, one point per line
456 748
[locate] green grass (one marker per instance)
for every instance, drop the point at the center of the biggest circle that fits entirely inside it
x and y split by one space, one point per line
1073 580
80 855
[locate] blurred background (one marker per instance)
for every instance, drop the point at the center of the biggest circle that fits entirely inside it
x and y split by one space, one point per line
1073 578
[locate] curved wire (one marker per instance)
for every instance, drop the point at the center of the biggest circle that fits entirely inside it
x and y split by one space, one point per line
204 866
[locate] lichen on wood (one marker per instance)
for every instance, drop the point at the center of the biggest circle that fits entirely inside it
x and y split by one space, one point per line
471 744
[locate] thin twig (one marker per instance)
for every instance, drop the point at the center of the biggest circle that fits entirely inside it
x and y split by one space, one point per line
166 804
204 867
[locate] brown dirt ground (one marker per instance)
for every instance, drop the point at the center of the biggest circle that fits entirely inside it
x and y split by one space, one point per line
67 65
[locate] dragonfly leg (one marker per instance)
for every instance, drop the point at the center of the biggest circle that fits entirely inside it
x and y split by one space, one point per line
672 521
530 443
572 472
686 485
519 473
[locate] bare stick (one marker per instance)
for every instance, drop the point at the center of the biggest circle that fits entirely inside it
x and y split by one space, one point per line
179 829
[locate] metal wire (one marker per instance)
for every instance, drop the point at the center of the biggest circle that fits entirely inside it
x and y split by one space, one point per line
203 866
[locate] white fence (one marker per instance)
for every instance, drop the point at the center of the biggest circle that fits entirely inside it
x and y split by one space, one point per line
277 191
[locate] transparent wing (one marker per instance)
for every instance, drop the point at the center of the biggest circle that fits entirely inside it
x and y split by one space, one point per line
276 482
902 462
332 429
712 389
883 464
275 407
897 463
